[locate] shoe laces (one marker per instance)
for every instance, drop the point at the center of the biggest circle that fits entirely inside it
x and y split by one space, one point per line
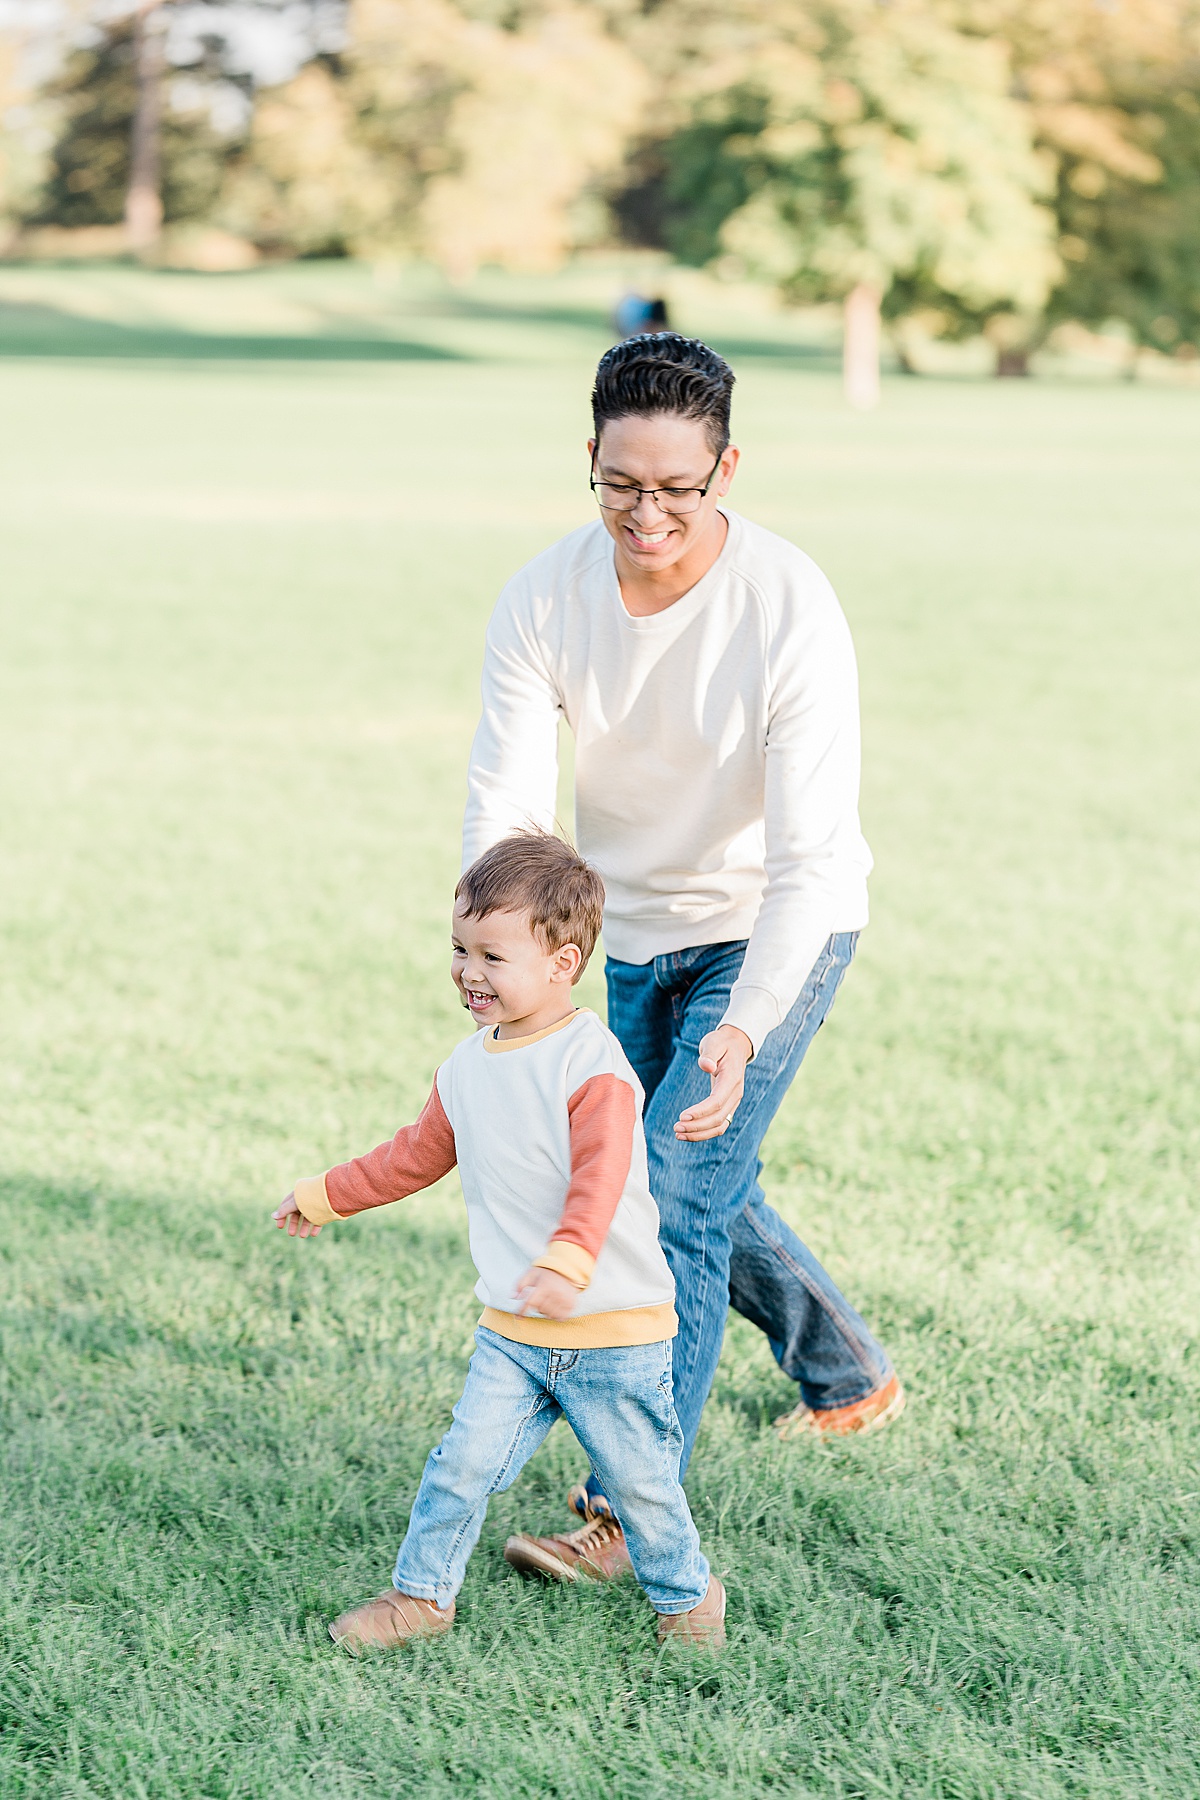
595 1535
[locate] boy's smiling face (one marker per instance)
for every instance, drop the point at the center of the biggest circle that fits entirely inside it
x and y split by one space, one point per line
506 976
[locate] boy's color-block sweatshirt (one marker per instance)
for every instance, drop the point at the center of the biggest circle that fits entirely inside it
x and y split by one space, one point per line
547 1135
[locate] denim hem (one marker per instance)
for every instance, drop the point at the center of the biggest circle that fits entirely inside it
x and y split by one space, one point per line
420 1590
673 1612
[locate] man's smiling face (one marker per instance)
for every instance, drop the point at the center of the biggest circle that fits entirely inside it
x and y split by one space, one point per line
664 450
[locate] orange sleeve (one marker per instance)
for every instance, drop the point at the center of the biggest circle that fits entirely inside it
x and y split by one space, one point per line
416 1157
603 1114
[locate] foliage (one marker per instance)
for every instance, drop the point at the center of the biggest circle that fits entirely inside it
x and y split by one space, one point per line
94 96
238 684
445 131
19 163
840 144
1114 96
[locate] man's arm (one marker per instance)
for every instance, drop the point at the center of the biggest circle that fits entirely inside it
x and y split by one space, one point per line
512 778
810 807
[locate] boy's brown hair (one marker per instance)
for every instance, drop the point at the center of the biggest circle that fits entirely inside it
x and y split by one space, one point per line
533 873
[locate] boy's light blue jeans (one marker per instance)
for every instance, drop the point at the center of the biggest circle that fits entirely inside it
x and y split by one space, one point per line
724 1243
618 1403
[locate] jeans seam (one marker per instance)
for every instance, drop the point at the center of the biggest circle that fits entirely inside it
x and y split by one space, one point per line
519 1431
802 1275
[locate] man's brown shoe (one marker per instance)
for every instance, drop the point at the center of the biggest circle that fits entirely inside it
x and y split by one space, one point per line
705 1624
391 1618
596 1551
871 1413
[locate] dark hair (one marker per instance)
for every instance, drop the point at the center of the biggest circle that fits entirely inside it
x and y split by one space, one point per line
662 372
534 873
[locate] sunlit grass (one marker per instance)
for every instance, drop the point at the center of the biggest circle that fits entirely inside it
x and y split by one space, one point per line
242 619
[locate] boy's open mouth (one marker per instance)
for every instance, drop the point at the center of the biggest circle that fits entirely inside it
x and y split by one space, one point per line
477 1000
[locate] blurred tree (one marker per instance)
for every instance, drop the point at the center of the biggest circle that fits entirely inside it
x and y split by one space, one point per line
143 193
106 88
464 131
16 179
847 151
1114 92
1132 248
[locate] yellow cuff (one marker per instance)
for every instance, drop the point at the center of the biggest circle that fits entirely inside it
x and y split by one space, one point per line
568 1260
313 1201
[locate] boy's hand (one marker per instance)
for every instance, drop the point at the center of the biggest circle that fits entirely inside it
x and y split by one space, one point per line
289 1218
541 1290
724 1054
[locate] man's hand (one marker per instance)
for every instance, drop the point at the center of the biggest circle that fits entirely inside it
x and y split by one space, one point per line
289 1218
724 1054
541 1290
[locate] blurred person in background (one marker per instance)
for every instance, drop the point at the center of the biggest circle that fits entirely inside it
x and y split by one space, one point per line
706 671
634 313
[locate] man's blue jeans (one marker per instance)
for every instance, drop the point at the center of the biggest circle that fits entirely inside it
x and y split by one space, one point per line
724 1243
618 1403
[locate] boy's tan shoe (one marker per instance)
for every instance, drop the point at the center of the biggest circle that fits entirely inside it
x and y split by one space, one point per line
389 1619
705 1624
596 1552
871 1413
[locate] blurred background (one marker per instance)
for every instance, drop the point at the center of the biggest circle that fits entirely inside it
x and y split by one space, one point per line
1017 176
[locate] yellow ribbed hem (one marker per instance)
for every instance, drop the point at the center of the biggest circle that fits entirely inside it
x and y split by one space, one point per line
568 1260
313 1201
594 1331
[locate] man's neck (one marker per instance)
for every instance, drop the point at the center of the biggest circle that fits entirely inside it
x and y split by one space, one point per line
646 593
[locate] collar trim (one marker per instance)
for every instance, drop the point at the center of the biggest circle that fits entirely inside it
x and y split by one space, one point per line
495 1045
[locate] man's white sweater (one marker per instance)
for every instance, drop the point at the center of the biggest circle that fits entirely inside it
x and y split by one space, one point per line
716 753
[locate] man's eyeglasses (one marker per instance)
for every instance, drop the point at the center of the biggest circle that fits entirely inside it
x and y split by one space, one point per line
623 496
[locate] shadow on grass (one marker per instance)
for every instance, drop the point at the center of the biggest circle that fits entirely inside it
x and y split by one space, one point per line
45 331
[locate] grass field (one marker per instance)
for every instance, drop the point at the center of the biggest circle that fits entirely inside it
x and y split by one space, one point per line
242 595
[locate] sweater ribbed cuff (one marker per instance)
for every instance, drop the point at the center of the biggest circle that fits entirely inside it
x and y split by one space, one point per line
568 1260
313 1200
754 1010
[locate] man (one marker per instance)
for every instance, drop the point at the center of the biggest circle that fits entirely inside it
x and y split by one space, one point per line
707 673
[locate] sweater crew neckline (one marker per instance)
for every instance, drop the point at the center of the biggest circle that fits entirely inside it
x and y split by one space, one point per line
494 1045
687 604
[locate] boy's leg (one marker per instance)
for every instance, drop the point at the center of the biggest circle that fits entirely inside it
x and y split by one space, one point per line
703 1191
503 1415
619 1404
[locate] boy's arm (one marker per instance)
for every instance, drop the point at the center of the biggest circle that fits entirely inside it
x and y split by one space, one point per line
418 1155
603 1114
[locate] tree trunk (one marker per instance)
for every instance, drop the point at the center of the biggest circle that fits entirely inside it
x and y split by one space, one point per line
143 200
860 346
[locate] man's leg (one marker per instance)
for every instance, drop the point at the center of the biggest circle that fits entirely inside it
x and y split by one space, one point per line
702 1191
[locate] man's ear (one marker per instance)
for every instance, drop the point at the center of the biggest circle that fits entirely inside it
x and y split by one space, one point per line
728 469
568 961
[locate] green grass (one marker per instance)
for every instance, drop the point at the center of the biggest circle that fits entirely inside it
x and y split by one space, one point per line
242 608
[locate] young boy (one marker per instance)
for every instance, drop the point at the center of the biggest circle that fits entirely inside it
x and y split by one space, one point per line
542 1114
